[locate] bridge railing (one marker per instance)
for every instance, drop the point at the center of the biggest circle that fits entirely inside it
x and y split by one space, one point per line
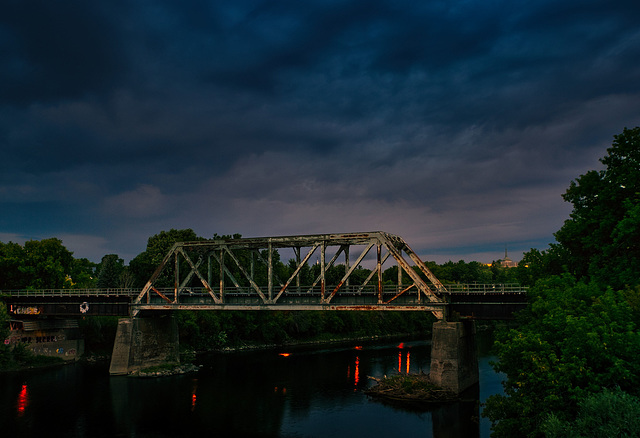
472 288
69 292
476 288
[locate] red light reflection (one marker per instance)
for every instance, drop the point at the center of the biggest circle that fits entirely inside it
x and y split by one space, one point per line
23 400
193 395
285 354
356 373
282 391
407 359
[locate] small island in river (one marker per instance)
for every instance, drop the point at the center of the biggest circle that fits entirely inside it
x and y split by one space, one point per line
412 389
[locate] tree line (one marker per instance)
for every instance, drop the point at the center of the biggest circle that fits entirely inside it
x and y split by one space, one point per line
47 264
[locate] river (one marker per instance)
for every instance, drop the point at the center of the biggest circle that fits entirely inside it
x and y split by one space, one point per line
284 393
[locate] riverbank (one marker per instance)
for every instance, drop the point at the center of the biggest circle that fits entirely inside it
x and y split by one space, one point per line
189 356
21 358
314 343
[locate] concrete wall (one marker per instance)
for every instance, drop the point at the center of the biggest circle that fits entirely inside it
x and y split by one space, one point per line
454 355
144 342
66 349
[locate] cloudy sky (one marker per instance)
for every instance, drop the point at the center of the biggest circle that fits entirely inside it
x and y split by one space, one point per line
454 124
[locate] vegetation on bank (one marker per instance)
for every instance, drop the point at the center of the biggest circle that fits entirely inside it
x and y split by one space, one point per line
410 390
205 331
208 331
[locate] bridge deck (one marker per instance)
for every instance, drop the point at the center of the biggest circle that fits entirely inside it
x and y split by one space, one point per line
470 300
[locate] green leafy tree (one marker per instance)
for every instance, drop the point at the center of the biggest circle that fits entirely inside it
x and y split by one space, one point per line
11 258
575 339
536 264
144 264
110 271
46 264
83 273
602 236
610 413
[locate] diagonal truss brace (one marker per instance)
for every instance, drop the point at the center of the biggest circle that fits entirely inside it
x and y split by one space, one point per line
351 269
297 271
247 276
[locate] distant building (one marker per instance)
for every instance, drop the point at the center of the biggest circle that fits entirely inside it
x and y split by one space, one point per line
506 262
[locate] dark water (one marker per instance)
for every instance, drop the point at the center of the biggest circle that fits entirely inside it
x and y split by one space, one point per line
260 394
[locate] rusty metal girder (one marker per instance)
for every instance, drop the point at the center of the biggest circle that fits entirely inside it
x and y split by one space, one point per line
425 283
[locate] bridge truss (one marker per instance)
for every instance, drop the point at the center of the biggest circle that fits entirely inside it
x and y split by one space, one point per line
242 274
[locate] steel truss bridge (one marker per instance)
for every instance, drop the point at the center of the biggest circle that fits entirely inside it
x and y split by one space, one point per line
241 274
241 290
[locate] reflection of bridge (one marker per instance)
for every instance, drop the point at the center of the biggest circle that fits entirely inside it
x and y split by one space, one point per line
243 274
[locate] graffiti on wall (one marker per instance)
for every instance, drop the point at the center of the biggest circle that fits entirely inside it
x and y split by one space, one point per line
23 310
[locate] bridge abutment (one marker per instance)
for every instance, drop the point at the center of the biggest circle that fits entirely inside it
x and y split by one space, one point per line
454 355
144 342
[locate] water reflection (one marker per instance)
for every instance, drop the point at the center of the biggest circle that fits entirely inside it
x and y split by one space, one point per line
407 358
23 400
305 393
356 377
193 395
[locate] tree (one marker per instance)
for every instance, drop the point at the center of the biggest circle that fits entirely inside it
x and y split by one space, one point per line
144 264
11 258
110 271
602 235
574 340
536 264
83 273
610 413
46 264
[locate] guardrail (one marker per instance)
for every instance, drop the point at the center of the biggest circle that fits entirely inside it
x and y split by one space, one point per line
69 292
474 288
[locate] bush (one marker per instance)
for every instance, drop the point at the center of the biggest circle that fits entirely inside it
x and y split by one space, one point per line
575 339
611 413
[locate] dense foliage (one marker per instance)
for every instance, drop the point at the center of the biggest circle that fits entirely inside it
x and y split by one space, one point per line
602 236
610 413
44 264
577 348
575 339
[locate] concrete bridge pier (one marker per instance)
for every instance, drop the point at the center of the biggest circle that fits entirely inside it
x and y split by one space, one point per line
144 342
454 355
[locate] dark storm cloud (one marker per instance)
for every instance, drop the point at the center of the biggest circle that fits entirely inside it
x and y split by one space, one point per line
56 50
455 124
